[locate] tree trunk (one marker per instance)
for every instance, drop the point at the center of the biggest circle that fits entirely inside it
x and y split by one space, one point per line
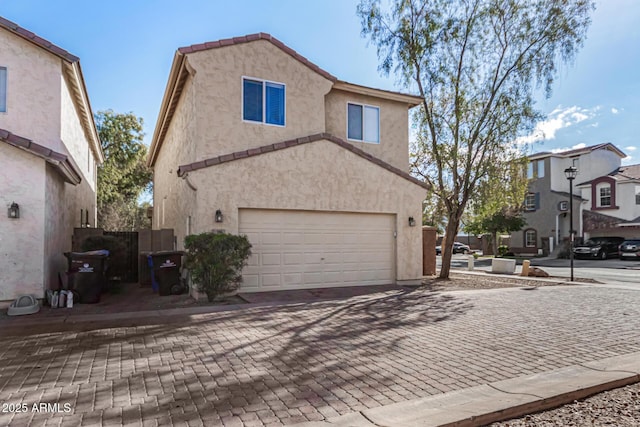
447 246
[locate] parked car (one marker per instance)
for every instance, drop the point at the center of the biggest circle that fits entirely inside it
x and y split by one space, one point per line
630 249
598 247
458 248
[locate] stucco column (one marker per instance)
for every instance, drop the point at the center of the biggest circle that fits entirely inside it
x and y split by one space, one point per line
428 251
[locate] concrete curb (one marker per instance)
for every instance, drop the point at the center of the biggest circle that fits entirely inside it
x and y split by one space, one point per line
499 401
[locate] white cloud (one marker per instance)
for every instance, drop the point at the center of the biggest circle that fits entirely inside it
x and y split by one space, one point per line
627 160
559 118
631 148
614 110
575 147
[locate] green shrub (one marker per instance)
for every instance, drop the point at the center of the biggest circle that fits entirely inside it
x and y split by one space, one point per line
215 261
503 250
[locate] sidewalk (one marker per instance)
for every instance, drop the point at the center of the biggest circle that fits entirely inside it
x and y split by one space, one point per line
499 401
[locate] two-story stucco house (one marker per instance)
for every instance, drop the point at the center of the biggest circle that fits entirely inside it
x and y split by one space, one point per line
547 202
613 204
253 138
49 152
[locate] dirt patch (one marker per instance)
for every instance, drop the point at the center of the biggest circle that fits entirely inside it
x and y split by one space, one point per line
461 282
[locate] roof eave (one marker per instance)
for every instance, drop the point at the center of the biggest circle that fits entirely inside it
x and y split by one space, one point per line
410 100
164 116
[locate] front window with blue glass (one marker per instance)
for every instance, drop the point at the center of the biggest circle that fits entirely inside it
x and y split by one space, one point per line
263 102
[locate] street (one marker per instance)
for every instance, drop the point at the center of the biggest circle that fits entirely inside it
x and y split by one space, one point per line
611 271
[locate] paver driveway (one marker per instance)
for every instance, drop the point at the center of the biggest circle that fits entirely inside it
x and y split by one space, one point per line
282 365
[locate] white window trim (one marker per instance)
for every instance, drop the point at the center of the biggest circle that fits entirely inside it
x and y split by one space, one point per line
535 238
526 206
599 195
363 125
264 101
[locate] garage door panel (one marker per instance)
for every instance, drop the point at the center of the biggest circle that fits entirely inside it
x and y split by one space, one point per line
271 259
302 249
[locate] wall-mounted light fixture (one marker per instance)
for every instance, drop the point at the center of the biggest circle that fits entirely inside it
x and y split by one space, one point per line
218 215
412 222
14 211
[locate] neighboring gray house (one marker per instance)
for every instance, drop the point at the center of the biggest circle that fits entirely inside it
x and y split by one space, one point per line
547 202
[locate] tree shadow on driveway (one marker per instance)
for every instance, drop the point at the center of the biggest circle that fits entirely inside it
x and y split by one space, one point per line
281 364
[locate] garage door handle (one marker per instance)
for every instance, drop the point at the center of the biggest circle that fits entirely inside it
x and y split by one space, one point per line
321 259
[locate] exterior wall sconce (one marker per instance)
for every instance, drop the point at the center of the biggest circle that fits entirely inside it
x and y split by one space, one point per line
412 222
218 216
14 211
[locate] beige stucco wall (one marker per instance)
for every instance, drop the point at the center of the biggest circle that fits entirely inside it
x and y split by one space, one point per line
173 200
218 88
316 176
394 126
21 240
73 137
33 91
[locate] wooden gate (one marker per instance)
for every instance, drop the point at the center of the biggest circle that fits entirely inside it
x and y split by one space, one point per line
129 239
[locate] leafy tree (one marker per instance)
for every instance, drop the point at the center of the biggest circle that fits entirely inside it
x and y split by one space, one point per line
505 220
476 64
123 176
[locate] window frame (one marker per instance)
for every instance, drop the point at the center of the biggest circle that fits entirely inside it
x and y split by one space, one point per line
264 101
6 85
600 196
528 207
364 106
637 194
535 238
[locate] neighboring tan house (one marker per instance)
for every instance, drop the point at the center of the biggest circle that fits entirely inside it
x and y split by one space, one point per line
613 207
547 202
254 139
49 152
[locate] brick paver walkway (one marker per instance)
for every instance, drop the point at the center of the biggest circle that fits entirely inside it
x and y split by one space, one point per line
283 365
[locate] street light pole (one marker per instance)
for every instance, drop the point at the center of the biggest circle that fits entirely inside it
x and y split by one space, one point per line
571 173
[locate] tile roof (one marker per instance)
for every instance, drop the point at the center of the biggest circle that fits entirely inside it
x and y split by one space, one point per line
583 150
63 163
182 170
37 40
627 172
253 37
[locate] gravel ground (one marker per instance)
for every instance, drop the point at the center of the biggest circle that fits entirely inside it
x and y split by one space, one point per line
619 407
461 281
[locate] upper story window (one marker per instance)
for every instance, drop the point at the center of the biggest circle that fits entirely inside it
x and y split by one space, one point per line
605 195
3 89
363 123
575 162
263 101
535 169
637 194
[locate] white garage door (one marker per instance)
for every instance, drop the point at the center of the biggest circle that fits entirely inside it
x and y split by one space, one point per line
309 249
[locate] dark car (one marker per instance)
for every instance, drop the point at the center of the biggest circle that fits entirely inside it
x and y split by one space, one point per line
458 248
598 247
630 249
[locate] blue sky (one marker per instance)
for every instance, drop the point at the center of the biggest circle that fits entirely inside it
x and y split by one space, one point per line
126 48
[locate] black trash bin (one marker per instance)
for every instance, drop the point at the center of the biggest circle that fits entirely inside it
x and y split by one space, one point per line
86 272
166 269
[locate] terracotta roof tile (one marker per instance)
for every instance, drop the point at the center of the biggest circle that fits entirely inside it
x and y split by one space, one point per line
292 143
37 40
252 37
63 163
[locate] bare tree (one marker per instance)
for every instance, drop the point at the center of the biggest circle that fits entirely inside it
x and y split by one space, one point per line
476 64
